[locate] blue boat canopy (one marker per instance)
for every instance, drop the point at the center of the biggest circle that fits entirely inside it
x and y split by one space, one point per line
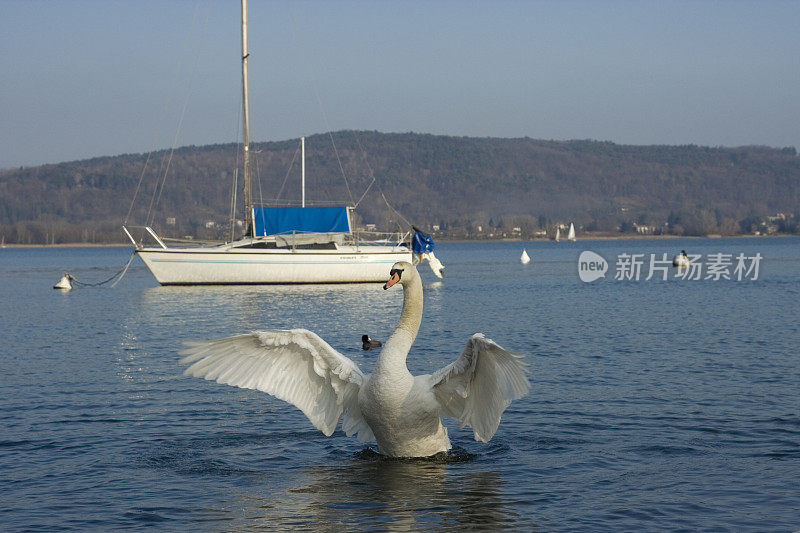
294 220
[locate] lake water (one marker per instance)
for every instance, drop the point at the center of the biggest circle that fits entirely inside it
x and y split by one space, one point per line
655 405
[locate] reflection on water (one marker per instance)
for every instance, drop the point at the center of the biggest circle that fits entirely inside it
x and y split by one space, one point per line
388 493
243 308
340 314
260 306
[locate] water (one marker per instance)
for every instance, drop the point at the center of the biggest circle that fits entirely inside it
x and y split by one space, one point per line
655 405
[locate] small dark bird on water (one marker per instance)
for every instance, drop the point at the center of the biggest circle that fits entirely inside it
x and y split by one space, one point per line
368 344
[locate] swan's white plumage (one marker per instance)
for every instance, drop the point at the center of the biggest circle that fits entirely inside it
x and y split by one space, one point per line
295 365
478 386
400 411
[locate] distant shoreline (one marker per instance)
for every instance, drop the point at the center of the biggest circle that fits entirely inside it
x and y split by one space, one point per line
68 245
586 237
627 237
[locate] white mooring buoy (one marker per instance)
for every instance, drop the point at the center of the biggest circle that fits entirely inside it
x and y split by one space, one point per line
64 283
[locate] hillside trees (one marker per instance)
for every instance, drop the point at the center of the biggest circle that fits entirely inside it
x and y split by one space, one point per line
453 182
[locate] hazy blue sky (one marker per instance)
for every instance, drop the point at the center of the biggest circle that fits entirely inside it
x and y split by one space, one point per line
85 78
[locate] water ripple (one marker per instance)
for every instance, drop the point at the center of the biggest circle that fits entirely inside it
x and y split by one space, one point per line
654 406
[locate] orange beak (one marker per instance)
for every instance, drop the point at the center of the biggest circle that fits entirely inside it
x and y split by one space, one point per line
392 280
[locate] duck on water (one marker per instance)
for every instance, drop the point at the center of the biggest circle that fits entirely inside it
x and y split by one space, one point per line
400 411
369 344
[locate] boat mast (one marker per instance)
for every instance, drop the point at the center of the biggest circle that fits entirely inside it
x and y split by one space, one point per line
248 204
303 172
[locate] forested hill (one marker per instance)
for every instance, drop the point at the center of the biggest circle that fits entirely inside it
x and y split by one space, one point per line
456 183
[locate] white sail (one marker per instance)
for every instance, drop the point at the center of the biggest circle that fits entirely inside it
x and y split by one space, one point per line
558 234
571 234
525 259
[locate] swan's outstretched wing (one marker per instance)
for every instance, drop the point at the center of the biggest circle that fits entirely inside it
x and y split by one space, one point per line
480 384
294 365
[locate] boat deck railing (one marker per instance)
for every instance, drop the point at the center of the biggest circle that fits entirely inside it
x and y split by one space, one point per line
148 237
377 237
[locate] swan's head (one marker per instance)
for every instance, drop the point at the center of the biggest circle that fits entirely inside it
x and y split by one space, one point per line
397 272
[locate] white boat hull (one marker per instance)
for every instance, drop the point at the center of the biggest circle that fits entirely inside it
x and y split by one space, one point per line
348 264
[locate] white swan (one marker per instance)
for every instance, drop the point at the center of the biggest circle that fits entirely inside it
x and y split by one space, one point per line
400 411
681 260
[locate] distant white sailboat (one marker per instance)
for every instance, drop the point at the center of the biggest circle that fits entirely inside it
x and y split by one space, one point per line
558 234
571 234
525 259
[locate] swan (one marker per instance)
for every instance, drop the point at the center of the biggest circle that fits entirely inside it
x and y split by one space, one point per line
681 260
400 411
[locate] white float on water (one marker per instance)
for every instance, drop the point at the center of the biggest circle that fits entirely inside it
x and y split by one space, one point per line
64 283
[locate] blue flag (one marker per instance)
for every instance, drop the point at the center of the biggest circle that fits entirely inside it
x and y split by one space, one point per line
421 243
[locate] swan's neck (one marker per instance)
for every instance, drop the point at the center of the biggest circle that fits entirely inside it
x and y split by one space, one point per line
411 316
393 355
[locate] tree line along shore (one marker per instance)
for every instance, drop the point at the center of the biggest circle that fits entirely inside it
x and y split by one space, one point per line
453 187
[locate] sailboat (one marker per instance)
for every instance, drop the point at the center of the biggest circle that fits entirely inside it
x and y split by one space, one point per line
525 258
558 234
571 234
281 244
